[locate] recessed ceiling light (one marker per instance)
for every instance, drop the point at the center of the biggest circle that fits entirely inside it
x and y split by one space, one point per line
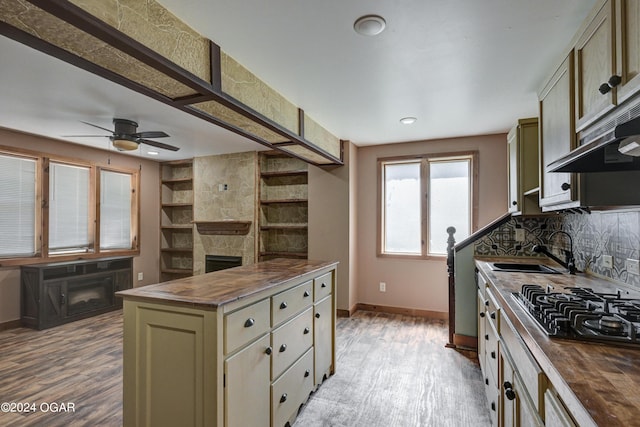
153 153
408 120
369 25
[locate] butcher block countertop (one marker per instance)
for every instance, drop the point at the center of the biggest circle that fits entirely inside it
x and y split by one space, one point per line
599 384
211 290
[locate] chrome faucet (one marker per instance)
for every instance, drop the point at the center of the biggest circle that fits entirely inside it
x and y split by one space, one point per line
569 263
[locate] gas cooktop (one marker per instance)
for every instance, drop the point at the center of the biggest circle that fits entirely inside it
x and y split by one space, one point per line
582 314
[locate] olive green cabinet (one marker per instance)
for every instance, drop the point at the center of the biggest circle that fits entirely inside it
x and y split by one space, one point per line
523 167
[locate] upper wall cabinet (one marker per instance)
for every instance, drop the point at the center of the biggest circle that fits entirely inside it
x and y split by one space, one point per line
523 167
557 135
607 60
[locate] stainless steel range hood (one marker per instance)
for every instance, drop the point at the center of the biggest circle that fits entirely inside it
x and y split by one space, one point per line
598 151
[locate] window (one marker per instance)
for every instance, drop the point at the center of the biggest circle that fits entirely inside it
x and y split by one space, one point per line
61 209
18 206
69 208
420 198
116 201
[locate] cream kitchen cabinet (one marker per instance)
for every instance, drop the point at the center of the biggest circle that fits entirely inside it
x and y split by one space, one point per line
238 347
607 60
523 167
555 413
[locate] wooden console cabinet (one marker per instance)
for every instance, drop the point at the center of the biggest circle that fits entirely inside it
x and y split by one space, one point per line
55 293
238 347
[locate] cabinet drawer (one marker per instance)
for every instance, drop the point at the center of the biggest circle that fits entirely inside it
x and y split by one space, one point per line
322 286
286 304
290 340
493 311
491 352
532 376
491 390
291 390
242 326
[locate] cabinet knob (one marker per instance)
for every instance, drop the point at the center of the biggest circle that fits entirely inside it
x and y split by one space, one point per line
283 305
486 337
493 406
508 390
493 354
493 315
514 203
306 331
268 351
317 315
283 348
306 373
482 314
486 381
613 81
249 323
486 303
283 398
565 186
323 285
306 294
62 299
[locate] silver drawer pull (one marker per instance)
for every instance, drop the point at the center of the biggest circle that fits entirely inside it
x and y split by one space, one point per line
249 323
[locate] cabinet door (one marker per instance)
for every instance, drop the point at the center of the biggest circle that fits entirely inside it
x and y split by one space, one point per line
595 64
508 397
53 305
247 386
512 144
482 334
323 338
557 137
555 413
628 47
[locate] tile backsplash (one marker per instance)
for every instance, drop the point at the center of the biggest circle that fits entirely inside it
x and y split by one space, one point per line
595 234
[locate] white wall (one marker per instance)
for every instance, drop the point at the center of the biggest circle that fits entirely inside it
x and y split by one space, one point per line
419 284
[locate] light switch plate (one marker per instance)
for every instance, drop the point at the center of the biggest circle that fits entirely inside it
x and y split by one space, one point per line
607 261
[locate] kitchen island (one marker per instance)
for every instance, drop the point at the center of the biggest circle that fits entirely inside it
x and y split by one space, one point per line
238 347
594 383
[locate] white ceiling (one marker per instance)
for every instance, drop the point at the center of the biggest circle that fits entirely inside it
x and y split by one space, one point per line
462 67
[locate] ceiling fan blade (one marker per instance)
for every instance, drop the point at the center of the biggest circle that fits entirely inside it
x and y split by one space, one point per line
96 126
150 134
85 136
158 144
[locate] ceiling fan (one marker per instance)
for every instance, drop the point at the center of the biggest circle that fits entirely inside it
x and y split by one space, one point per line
125 138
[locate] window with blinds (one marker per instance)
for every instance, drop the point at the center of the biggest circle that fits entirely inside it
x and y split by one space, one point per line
116 192
69 208
17 206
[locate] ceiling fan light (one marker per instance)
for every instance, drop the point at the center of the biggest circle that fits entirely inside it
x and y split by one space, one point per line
369 25
125 144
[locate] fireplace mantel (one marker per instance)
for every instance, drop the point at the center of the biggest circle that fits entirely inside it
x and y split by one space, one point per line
223 227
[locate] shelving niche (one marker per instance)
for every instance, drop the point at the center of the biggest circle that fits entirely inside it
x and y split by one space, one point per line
283 207
176 216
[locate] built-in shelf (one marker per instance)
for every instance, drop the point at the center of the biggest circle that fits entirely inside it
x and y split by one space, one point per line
230 227
176 180
177 227
267 202
284 254
283 227
272 174
177 250
185 271
177 205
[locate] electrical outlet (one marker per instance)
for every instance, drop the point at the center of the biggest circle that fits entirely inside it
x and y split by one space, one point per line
519 234
140 276
223 187
607 261
633 266
383 287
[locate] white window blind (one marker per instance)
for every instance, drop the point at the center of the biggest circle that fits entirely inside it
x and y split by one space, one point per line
68 208
115 210
17 206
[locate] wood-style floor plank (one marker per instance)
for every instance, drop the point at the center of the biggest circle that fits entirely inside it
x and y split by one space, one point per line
392 370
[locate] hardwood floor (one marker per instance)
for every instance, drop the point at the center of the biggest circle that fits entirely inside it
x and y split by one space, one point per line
392 370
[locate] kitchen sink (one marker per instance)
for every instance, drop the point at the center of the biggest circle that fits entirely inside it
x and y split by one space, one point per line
523 268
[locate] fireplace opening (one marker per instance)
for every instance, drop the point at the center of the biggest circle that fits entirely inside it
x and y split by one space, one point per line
221 262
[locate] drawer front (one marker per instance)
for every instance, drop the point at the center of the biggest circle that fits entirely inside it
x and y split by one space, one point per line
291 390
491 355
493 310
491 391
242 326
322 286
532 376
286 304
290 341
